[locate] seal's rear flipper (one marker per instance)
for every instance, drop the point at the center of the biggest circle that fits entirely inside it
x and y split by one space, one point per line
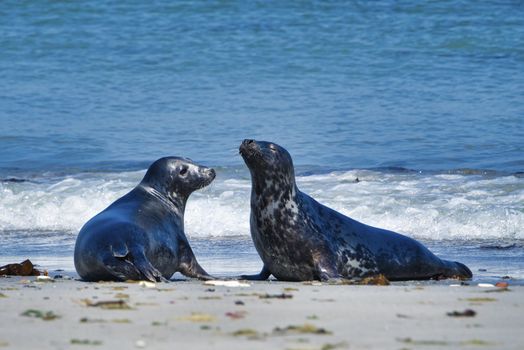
131 265
462 270
456 270
262 276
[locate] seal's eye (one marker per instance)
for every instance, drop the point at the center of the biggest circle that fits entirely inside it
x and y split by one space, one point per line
183 171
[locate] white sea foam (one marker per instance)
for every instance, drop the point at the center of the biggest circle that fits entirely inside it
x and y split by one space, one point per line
422 206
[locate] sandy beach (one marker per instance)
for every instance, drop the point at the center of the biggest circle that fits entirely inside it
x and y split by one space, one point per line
65 313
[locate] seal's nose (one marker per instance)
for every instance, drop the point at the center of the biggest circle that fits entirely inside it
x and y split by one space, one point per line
247 142
209 173
247 146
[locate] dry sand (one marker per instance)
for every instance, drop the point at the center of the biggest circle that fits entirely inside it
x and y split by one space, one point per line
69 314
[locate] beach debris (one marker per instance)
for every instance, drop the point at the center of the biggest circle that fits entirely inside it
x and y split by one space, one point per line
402 316
239 302
91 320
85 342
497 290
246 332
465 313
481 300
422 342
158 323
275 296
483 270
211 290
44 279
236 315
306 328
2 295
502 284
119 288
312 283
210 298
120 320
122 296
44 315
141 303
205 327
62 277
107 304
329 346
325 300
486 285
378 280
290 289
476 342
312 317
140 344
147 284
223 283
198 318
100 320
25 268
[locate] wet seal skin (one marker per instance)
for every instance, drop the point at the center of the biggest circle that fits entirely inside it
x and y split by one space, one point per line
299 239
141 235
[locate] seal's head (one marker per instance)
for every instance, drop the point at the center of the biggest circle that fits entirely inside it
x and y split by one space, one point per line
268 162
177 176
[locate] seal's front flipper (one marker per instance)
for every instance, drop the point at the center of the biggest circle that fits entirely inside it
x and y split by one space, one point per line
326 273
194 270
189 265
262 276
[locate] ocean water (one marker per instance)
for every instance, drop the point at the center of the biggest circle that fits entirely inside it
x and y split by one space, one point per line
423 102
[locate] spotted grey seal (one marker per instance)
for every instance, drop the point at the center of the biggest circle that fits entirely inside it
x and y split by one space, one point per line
141 235
300 239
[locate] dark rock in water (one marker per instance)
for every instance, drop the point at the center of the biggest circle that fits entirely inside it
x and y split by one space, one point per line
499 246
25 268
14 179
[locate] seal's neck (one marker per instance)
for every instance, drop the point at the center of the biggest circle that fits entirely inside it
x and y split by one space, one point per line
266 191
174 201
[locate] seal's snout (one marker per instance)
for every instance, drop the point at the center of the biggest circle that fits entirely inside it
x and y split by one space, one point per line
211 173
247 147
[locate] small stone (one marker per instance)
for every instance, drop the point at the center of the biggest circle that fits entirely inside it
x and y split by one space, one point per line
140 344
147 284
465 313
44 279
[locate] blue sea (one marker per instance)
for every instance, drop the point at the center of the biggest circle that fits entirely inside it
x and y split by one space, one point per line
422 101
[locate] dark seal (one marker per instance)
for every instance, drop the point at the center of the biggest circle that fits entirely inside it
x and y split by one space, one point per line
141 235
300 239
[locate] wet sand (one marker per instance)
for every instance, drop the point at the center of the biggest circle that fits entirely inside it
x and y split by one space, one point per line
69 314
